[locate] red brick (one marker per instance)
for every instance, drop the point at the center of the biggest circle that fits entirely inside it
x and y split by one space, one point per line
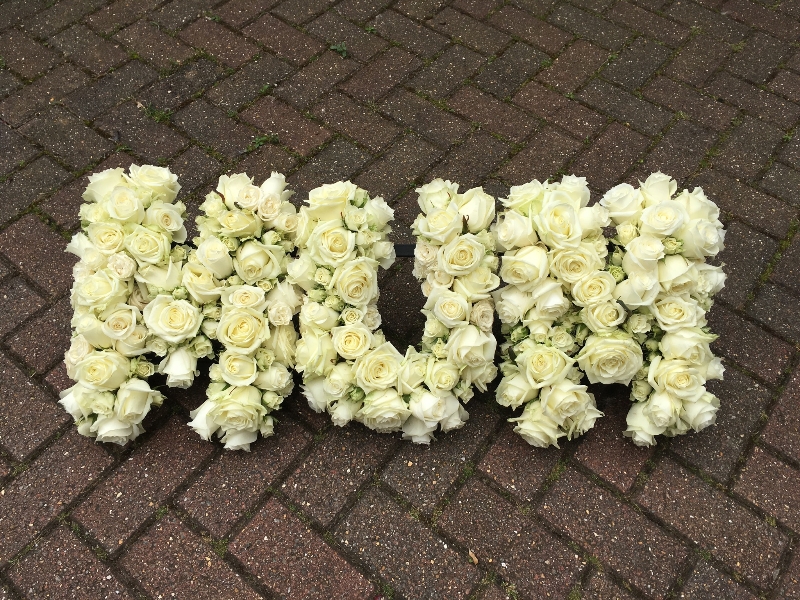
790 586
308 84
783 428
415 37
242 478
574 66
438 126
536 563
705 515
53 86
45 489
249 82
335 469
24 187
383 73
88 49
447 72
544 155
644 555
48 22
472 161
625 107
605 450
171 561
718 449
177 13
60 568
39 253
284 40
154 45
588 25
541 34
775 307
681 98
398 167
479 9
356 121
637 63
28 416
613 153
293 561
783 182
151 140
557 109
25 56
771 485
90 101
695 63
419 9
747 253
755 208
761 18
339 160
218 41
788 84
16 10
678 152
187 82
57 379
118 14
379 532
758 60
260 163
361 10
748 148
17 302
706 582
337 30
122 503
212 127
473 33
301 11
44 339
497 116
516 466
503 76
711 22
239 12
639 19
754 100
602 587
271 115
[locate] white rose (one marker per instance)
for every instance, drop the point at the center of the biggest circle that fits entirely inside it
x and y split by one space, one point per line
426 253
372 317
525 268
574 187
643 254
594 288
662 408
275 187
564 399
477 285
239 414
378 369
440 375
108 238
238 369
103 370
313 390
470 347
676 377
169 218
378 213
124 205
78 349
428 408
301 271
610 358
436 194
276 378
121 265
99 291
120 321
641 429
101 184
572 264
239 224
331 244
515 390
451 308
249 197
282 342
701 238
638 323
627 232
536 428
557 224
230 186
658 188
624 203
244 296
593 219
477 207
134 399
201 284
242 330
339 382
110 429
603 317
162 184
90 256
315 353
418 431
180 367
134 344
513 230
384 411
698 206
440 225
527 198
255 261
214 256
482 315
544 365
172 320
675 312
663 219
351 341
687 343
512 304
412 371
317 316
328 202
356 283
344 411
702 413
162 278
461 255
549 299
639 289
710 279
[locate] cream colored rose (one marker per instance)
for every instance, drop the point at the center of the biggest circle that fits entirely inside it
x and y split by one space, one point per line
679 378
525 268
383 410
512 304
613 358
643 254
557 225
99 291
603 317
576 188
121 265
102 184
160 279
675 312
662 219
691 344
328 202
627 232
450 308
238 369
124 205
439 226
102 370
662 408
315 353
478 285
378 369
436 194
701 238
282 343
79 348
428 408
378 213
339 382
276 378
537 428
549 299
623 202
134 399
639 289
230 186
514 230
239 224
461 255
477 207
641 428
594 288
527 198
440 375
108 238
172 320
356 283
317 316
331 244
255 261
593 219
244 296
657 188
201 284
109 429
242 330
572 264
213 254
158 181
701 414
434 328
564 400
412 371
147 246
351 341
482 315
514 390
120 321
249 197
239 414
544 365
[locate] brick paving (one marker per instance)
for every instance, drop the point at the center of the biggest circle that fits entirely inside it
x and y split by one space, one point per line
391 93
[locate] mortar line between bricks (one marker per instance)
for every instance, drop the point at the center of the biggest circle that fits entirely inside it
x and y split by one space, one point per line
762 326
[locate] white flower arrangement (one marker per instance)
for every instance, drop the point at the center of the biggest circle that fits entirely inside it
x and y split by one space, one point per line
237 273
558 292
128 302
662 242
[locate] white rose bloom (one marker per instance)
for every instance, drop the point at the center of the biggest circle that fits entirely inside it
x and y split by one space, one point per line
701 238
275 187
699 415
658 188
255 261
576 188
439 279
249 197
114 431
440 375
276 378
512 304
121 265
78 349
201 284
477 285
451 308
102 371
687 343
339 381
120 321
525 268
594 288
412 371
238 369
428 407
372 317
440 225
662 408
168 217
331 244
230 186
455 415
593 218
676 312
134 399
384 411
527 198
537 428
643 254
564 400
124 205
244 296
639 289
477 207
163 278
663 219
470 347
173 320
426 253
698 206
550 302
108 238
709 278
344 411
572 264
482 315
641 429
610 358
676 377
544 365
436 194
378 369
214 256
239 224
351 341
638 323
238 413
101 184
514 230
603 317
557 224
328 202
627 232
515 390
379 213
356 283
434 328
461 255
317 316
99 291
282 343
180 367
315 353
83 248
91 328
313 390
301 272
242 330
162 184
418 431
624 203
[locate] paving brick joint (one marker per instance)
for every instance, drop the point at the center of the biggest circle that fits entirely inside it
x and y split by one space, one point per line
391 93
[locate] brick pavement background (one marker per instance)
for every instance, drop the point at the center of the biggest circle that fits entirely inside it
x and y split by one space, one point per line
391 93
